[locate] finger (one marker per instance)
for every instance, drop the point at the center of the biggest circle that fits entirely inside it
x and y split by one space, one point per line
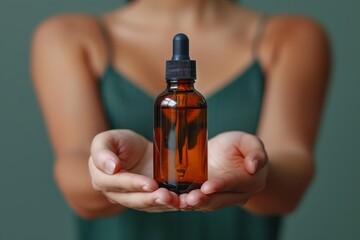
106 161
253 149
189 202
250 147
239 181
227 182
240 144
255 161
214 202
122 181
103 153
182 202
113 148
159 200
155 209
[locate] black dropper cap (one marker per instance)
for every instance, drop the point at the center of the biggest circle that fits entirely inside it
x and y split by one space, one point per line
180 67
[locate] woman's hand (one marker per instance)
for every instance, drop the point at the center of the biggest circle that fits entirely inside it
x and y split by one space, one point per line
121 168
237 169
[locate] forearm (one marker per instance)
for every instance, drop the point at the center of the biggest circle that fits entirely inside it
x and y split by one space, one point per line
289 176
73 179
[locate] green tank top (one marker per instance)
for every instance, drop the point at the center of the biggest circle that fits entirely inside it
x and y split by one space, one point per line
237 107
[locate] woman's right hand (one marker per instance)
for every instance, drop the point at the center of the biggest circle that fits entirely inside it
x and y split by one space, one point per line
121 168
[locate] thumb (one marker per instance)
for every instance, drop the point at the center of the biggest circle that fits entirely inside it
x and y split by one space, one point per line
254 152
103 153
248 146
106 161
113 148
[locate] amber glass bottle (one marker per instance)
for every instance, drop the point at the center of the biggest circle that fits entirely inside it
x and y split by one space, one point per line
180 125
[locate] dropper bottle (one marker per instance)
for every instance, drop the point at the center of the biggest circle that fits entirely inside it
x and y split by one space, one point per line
180 125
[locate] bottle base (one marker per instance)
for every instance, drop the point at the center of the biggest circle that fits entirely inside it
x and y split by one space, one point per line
180 188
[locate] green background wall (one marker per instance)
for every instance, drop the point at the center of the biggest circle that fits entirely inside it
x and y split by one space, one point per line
31 206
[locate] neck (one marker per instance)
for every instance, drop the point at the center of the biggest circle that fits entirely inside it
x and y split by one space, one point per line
182 13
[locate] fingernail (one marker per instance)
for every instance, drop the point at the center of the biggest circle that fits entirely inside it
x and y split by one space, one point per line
147 189
110 166
159 201
255 164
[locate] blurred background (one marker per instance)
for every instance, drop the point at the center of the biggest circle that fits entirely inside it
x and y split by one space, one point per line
31 206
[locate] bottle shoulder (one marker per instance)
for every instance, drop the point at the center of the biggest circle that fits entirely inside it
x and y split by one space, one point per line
180 99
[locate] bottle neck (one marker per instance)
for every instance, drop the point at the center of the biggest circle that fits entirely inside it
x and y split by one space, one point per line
181 85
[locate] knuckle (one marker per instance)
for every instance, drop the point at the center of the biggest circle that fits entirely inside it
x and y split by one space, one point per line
258 140
98 137
95 140
97 159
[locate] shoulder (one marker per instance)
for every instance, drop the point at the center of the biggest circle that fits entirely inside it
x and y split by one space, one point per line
295 30
294 23
294 37
70 26
79 33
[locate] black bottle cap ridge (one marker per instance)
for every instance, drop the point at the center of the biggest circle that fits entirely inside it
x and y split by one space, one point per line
180 67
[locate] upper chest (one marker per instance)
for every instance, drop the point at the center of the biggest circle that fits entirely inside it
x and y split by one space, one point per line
140 56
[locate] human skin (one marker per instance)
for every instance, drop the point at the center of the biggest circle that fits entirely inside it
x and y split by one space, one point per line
121 167
69 55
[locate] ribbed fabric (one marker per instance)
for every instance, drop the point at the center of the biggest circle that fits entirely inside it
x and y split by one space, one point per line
237 107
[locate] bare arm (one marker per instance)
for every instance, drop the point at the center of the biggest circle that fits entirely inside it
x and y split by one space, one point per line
68 93
296 83
240 173
67 90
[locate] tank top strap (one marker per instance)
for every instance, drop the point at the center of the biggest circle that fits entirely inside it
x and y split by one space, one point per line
258 35
109 45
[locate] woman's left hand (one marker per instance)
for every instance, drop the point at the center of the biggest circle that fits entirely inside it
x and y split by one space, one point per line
238 167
